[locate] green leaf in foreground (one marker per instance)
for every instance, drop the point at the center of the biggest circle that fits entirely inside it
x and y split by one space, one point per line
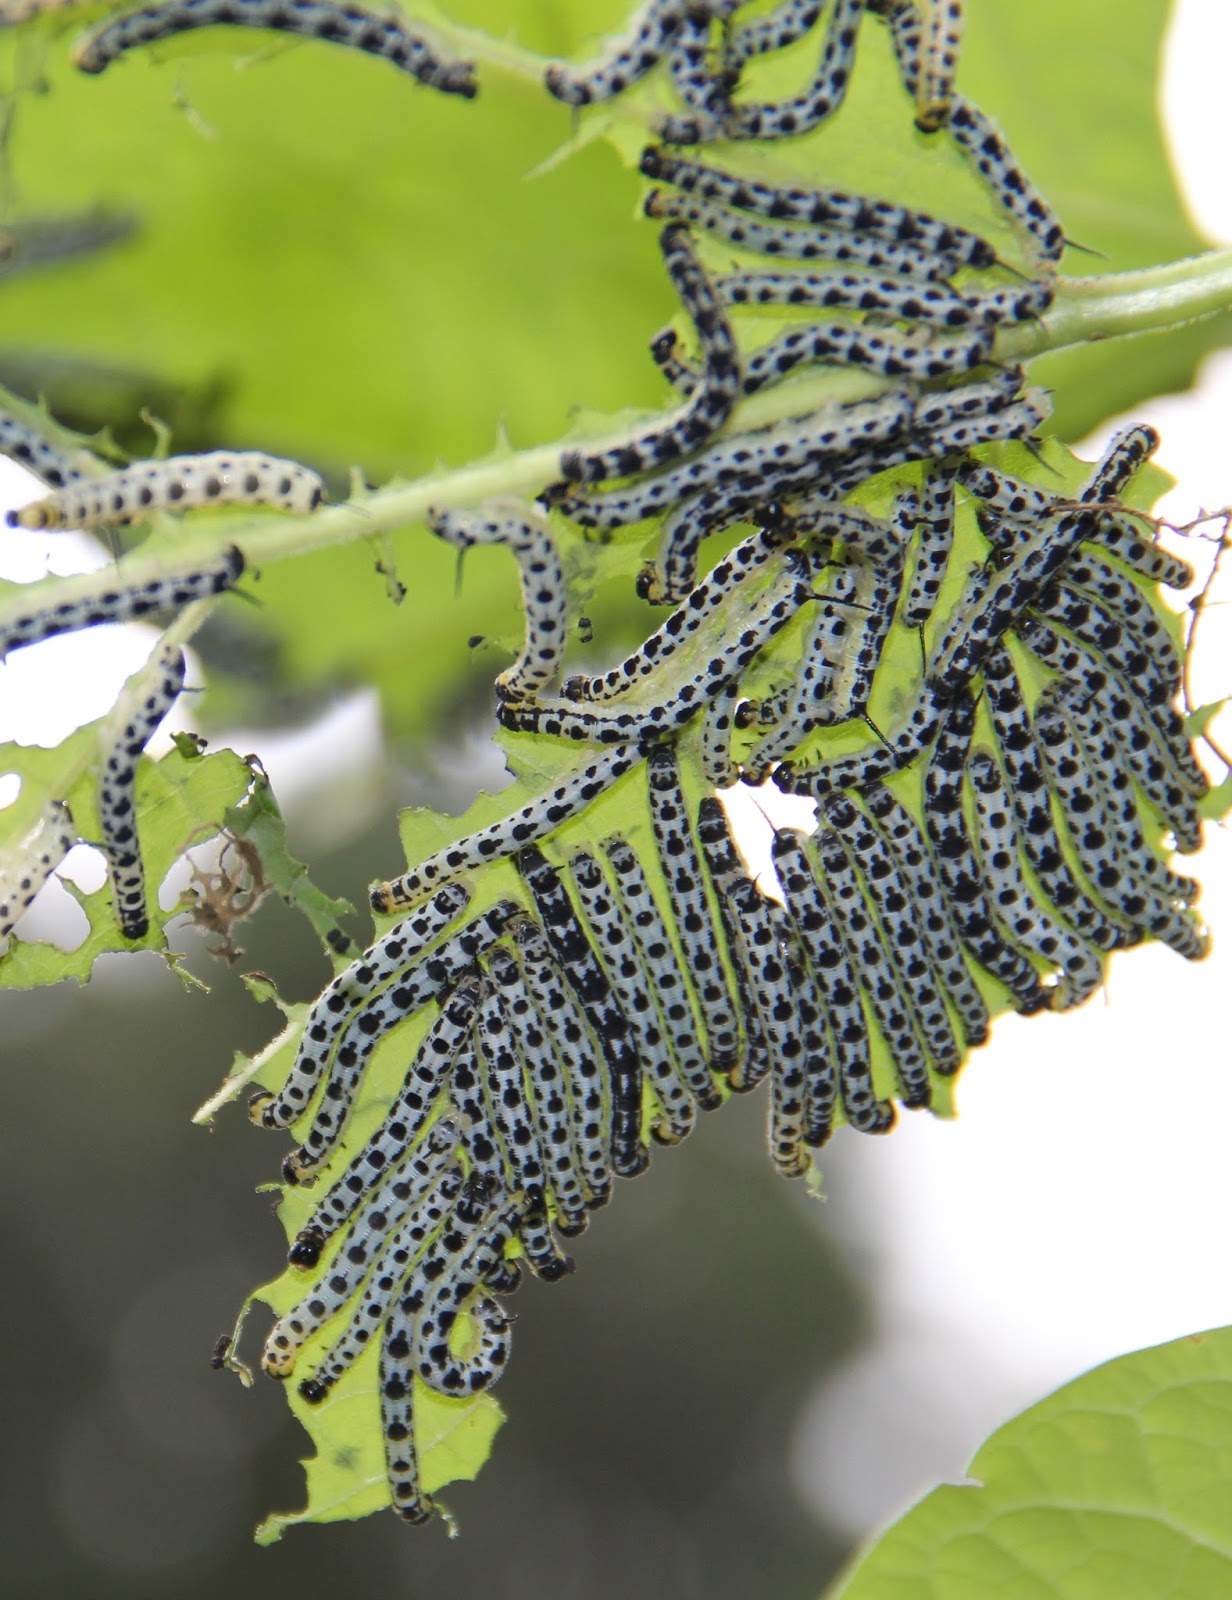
1119 1484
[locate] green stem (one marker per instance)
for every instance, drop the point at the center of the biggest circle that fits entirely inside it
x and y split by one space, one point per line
1116 305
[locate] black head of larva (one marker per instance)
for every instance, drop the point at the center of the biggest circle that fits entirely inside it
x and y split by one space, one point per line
306 1248
313 1391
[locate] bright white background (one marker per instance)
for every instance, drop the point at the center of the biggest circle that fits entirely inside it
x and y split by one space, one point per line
1077 1209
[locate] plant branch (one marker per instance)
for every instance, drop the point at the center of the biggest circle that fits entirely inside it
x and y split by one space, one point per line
1116 305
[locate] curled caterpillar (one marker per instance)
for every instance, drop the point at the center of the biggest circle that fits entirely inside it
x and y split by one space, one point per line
528 536
334 21
177 484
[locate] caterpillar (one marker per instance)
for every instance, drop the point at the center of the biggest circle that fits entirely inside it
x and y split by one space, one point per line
123 603
725 873
1015 503
884 351
1108 848
901 939
906 300
607 1021
994 601
395 1385
632 985
835 872
939 47
781 1021
1127 451
1028 924
715 743
1171 785
335 21
454 1269
769 614
387 1147
682 867
673 578
943 407
786 119
835 977
761 956
20 442
825 643
907 846
539 817
852 213
1087 620
401 1202
1028 787
960 877
793 243
789 21
117 795
26 867
177 484
380 1014
1103 756
530 540
978 137
710 405
393 953
761 459
505 1011
718 588
819 1088
549 1101
389 1275
931 516
571 1043
642 46
659 959
948 438
1093 574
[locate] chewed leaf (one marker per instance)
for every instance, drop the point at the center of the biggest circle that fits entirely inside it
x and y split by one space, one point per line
180 801
1112 1485
258 821
346 1474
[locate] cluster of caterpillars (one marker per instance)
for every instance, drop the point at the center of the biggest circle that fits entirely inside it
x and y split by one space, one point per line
992 846
576 1025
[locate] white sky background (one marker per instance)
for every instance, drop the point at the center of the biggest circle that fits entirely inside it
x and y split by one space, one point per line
1077 1209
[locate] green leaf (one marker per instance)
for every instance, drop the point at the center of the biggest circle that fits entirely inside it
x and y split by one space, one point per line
1117 1484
